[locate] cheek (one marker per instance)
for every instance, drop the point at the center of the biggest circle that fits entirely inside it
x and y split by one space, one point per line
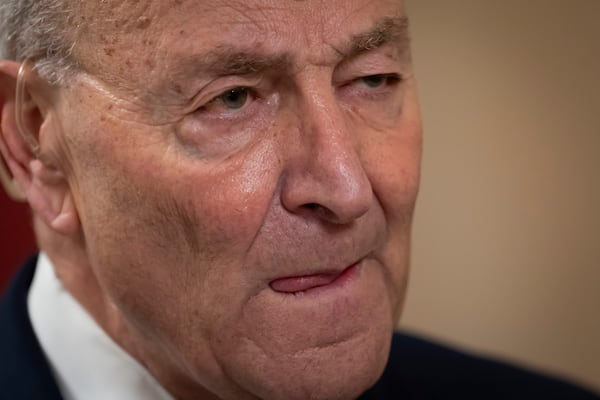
392 162
391 156
163 195
176 225
393 165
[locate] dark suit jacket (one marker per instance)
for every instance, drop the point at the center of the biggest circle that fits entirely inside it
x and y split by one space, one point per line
417 369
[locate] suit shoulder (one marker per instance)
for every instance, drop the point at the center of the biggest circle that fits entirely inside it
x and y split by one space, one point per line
421 369
24 370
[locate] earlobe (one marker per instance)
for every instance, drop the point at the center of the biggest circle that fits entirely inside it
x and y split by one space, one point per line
42 184
49 196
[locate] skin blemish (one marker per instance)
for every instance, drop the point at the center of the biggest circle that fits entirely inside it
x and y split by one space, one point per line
143 22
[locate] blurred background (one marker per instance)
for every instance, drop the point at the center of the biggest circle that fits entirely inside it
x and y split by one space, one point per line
507 232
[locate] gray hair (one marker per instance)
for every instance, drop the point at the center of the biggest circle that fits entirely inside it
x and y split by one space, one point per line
38 30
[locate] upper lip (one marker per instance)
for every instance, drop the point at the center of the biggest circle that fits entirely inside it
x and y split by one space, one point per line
309 251
330 270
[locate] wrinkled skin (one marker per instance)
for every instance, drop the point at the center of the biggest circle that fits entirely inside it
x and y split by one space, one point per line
191 203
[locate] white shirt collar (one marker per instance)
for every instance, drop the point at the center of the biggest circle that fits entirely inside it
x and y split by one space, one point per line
86 362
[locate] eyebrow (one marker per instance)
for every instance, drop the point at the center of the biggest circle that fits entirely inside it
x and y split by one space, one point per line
225 60
388 30
229 60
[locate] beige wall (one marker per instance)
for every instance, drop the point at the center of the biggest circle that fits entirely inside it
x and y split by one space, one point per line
507 232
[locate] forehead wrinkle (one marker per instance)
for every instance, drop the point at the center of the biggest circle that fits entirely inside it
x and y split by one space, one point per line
247 14
229 60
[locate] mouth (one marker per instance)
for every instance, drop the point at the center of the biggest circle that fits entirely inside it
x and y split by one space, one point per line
302 284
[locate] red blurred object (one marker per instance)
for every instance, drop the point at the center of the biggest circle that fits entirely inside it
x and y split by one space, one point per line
17 241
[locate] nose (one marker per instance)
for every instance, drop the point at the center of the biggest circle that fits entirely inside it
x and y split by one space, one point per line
325 176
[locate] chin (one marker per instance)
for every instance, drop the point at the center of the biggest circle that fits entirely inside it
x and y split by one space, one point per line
338 374
331 344
332 371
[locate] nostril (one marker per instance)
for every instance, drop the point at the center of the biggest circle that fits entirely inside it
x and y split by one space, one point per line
320 211
311 206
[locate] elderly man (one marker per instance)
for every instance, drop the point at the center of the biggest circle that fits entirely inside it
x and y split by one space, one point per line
222 193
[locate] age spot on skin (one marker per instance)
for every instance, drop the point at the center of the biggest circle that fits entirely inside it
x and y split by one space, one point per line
143 22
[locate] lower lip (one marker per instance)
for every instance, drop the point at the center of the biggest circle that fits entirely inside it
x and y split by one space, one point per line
313 283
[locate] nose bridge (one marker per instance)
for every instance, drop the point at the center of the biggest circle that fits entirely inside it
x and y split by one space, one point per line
327 173
333 145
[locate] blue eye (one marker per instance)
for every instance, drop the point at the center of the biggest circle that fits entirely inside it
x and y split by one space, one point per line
235 99
375 81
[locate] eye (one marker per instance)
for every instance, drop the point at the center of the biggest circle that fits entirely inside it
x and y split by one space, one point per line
374 81
379 80
234 99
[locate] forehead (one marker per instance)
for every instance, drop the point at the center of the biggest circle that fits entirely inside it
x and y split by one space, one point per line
130 38
126 13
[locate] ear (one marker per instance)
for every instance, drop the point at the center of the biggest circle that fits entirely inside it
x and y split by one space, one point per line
23 122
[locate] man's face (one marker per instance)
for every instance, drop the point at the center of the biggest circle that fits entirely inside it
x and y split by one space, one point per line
245 174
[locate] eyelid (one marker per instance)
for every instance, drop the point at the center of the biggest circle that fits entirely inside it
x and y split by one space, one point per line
218 87
369 63
390 78
219 98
